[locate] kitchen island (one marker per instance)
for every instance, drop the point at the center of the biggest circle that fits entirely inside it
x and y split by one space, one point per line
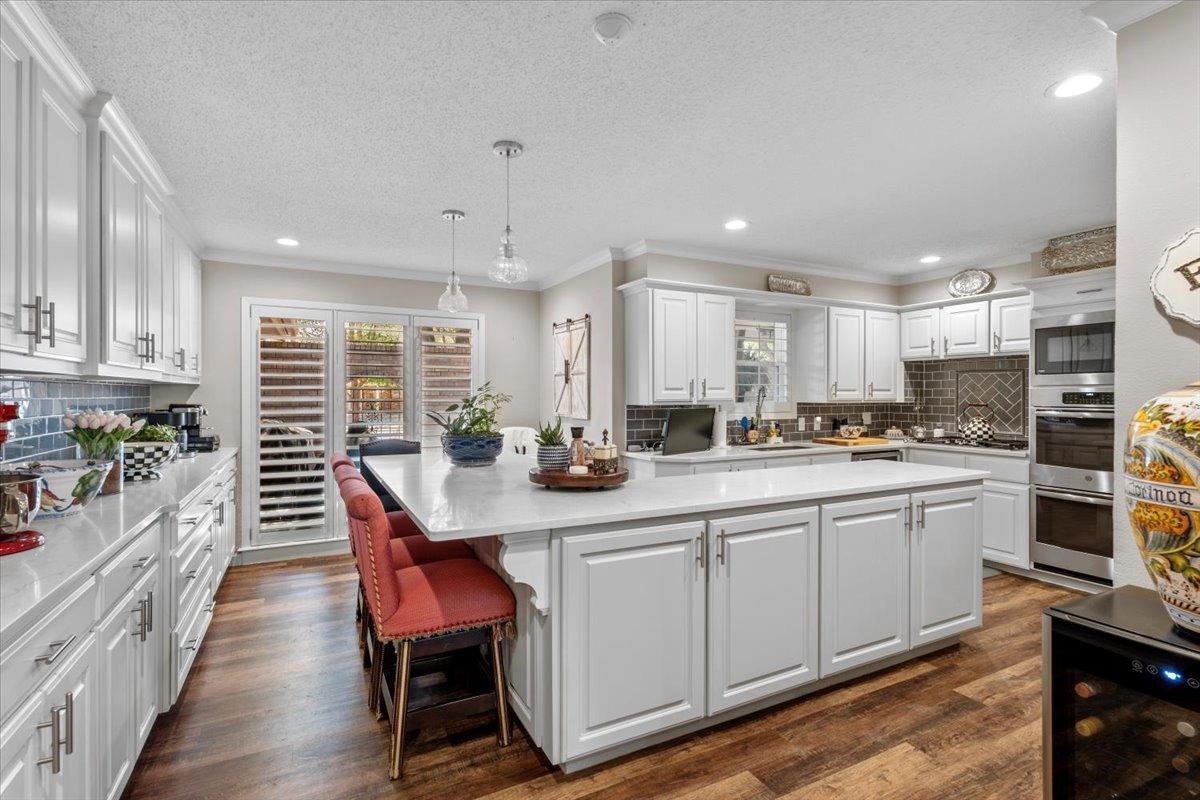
663 606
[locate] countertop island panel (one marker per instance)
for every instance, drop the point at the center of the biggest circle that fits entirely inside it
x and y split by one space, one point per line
450 502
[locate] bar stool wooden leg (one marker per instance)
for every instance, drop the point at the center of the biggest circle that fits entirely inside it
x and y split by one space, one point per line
503 731
400 706
376 676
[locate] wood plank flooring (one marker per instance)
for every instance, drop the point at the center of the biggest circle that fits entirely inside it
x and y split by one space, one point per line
275 708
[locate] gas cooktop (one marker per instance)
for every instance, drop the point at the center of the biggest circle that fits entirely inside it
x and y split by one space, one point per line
992 444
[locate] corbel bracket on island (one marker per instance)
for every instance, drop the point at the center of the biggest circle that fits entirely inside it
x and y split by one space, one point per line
526 558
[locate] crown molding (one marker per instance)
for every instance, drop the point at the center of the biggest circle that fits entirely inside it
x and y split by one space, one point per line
55 57
1118 14
597 259
945 272
341 268
659 247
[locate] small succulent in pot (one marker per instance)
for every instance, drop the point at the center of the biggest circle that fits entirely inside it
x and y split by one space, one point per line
101 436
472 437
553 453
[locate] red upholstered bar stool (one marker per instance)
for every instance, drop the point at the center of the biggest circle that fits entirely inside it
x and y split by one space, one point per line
433 617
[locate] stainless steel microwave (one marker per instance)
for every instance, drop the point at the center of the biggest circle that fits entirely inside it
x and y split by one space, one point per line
1073 349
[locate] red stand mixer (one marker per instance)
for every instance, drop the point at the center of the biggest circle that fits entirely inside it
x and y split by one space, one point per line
20 497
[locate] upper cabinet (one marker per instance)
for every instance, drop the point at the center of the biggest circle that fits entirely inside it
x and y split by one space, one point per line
882 372
89 264
679 347
43 207
844 354
976 328
1010 325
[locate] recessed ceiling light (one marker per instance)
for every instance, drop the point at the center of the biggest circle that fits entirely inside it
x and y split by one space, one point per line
1076 85
286 242
736 225
611 27
930 259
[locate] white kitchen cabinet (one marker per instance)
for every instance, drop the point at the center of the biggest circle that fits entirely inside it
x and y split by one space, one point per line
122 256
882 355
155 262
117 735
72 694
715 348
965 329
947 579
937 458
1010 324
762 600
194 363
920 334
168 306
148 652
845 354
22 744
633 618
674 350
830 458
743 466
1006 523
16 278
864 582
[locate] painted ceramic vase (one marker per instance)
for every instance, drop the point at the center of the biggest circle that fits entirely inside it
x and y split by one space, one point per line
1162 495
68 486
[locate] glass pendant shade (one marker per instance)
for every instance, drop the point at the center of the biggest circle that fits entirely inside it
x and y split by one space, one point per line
452 300
507 266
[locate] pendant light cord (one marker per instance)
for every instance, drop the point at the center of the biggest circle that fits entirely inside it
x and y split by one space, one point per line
507 190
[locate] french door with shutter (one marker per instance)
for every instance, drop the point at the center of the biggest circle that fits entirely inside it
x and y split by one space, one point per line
319 378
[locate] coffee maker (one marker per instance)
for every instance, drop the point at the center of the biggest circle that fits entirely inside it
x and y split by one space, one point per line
188 418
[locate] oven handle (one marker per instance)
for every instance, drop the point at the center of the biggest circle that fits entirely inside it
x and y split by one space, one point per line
1092 500
1049 412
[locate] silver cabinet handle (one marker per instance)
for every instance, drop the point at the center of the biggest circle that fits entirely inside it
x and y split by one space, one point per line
995 342
69 713
871 389
700 551
145 356
704 387
221 514
191 575
921 514
908 518
141 562
182 353
931 345
154 348
57 649
208 548
692 389
833 389
721 546
945 345
36 308
150 610
212 606
49 314
190 644
140 633
55 726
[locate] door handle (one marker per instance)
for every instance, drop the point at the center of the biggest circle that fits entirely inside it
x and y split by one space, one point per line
145 356
692 389
945 345
150 610
182 353
140 633
703 387
69 714
700 551
36 308
908 515
721 546
153 348
921 514
931 343
55 726
995 342
49 314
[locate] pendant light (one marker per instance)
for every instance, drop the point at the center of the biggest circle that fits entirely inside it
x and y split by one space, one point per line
507 266
452 300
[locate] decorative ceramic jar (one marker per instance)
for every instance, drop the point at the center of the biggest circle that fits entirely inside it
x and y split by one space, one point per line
473 450
605 460
976 427
1162 496
68 486
553 456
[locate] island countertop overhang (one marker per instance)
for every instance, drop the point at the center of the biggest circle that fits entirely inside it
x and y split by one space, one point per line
449 502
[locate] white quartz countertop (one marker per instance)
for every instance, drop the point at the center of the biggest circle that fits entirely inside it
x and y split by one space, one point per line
78 545
450 502
744 453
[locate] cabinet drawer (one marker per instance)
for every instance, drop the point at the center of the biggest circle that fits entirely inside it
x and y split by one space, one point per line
1014 470
190 567
115 577
32 658
186 639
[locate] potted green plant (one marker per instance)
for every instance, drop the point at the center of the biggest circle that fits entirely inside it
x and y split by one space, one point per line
149 449
471 436
553 452
101 436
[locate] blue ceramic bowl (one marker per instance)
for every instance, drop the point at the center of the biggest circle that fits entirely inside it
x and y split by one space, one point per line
473 451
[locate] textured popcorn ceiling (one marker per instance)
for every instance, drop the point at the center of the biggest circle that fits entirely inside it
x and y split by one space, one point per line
859 135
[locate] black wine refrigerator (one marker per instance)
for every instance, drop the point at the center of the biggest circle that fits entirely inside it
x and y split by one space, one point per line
1121 700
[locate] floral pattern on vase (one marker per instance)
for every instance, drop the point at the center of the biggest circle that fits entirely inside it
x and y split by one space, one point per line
1162 496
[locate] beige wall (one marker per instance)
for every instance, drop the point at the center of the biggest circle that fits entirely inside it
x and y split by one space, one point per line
933 290
1158 200
510 332
590 293
717 273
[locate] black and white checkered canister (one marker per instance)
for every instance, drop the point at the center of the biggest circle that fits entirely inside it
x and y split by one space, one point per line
142 462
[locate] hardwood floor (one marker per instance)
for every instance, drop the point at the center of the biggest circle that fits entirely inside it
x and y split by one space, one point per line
275 708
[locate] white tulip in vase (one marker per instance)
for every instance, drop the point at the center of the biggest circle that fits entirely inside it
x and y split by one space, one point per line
101 436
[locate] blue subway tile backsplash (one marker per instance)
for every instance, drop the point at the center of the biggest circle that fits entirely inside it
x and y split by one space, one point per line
39 432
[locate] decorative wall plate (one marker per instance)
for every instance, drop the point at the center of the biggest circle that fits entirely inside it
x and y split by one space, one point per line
1175 282
788 284
970 282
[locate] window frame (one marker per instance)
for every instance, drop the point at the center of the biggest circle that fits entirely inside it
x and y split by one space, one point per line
771 408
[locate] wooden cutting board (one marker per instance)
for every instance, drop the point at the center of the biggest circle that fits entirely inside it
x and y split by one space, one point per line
862 440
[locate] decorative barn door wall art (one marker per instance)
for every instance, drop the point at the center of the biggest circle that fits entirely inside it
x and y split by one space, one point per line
572 367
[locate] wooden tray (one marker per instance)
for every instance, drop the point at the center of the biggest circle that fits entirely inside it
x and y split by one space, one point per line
561 479
862 440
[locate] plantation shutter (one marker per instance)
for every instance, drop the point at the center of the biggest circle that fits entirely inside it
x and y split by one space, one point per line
447 368
291 419
374 372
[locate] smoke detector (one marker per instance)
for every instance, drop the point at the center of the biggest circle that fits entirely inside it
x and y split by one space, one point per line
611 27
